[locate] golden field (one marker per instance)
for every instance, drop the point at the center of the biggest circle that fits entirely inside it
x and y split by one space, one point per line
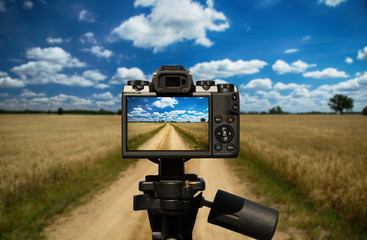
136 128
324 156
35 149
197 131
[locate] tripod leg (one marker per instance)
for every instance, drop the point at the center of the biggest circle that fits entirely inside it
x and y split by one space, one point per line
172 227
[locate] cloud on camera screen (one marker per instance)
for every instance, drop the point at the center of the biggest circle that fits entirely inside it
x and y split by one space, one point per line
168 123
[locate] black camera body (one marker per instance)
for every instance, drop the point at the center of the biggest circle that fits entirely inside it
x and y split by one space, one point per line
206 117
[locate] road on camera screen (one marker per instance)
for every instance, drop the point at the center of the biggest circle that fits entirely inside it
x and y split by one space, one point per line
182 136
166 139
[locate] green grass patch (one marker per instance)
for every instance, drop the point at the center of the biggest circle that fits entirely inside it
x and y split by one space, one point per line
299 215
190 140
135 142
29 215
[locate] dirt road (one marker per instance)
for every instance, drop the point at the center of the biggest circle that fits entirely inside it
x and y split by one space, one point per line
109 216
165 139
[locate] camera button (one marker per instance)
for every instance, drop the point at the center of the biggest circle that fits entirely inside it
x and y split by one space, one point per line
218 119
235 107
234 97
218 147
230 119
230 147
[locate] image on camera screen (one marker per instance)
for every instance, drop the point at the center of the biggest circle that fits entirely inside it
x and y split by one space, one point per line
168 123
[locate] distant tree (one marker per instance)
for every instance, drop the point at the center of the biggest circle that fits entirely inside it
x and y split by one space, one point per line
119 112
60 111
277 110
340 102
364 111
202 119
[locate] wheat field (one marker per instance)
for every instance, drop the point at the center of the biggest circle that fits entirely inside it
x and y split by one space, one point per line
135 128
35 149
197 131
325 156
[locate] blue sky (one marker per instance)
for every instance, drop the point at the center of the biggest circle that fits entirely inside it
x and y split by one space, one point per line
79 54
179 109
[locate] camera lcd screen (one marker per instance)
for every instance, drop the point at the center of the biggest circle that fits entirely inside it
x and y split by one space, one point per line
167 123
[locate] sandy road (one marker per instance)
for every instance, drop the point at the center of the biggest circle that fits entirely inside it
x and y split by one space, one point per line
165 139
110 216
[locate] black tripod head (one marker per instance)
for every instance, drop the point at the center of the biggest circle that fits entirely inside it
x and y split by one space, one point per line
172 206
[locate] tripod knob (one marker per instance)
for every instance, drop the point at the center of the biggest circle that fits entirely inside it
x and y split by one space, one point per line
243 216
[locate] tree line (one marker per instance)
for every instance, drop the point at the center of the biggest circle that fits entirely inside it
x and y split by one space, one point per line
338 103
61 111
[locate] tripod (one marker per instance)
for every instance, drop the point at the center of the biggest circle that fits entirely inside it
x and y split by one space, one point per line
172 206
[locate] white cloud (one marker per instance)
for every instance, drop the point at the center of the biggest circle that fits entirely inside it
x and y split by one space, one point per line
124 74
306 38
165 102
8 82
106 95
288 51
88 38
48 66
226 68
281 86
300 93
326 73
220 81
171 21
3 74
52 40
299 66
331 3
49 61
349 60
53 103
99 51
102 86
29 93
85 16
138 112
94 75
54 55
258 85
362 54
2 6
27 5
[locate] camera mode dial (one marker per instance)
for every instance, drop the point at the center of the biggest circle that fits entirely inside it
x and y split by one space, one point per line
205 84
138 84
224 88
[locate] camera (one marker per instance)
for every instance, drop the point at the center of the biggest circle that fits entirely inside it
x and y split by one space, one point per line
169 121
172 117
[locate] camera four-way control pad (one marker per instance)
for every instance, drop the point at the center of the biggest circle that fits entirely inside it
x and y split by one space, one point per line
224 133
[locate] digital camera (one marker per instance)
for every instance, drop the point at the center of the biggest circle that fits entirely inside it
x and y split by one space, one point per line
170 117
